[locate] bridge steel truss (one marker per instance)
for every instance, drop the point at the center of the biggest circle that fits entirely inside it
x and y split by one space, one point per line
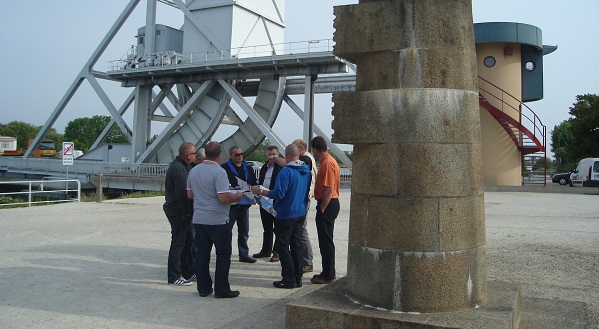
204 90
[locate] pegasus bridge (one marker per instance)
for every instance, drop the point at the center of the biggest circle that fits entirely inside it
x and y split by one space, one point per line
195 80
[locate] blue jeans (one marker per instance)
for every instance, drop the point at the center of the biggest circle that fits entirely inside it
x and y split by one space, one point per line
288 233
180 262
325 224
241 216
205 237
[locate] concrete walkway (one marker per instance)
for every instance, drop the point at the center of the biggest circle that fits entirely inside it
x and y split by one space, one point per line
83 265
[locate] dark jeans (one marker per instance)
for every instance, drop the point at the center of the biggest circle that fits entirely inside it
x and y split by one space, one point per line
205 237
267 224
288 234
308 255
180 263
241 215
325 224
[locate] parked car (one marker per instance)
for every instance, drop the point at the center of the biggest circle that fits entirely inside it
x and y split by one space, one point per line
256 165
561 178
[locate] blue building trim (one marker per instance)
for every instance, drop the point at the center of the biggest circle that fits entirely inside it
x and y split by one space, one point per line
530 39
508 32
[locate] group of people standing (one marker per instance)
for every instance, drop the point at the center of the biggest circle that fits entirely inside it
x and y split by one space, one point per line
203 201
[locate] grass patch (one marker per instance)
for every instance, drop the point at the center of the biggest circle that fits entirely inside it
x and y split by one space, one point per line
91 197
36 200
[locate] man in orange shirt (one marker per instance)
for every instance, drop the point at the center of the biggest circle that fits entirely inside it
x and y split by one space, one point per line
326 193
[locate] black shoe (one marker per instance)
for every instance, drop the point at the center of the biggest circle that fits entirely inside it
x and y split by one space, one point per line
321 280
230 294
208 293
261 255
274 258
247 259
298 283
281 284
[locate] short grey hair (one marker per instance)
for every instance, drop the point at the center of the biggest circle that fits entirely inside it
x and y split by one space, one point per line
201 153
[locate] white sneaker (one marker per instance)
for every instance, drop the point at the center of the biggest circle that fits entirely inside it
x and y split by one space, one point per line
181 282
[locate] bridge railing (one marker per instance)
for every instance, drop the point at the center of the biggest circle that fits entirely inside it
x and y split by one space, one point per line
41 191
171 58
54 167
138 170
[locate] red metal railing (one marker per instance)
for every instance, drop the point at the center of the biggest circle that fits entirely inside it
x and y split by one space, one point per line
528 122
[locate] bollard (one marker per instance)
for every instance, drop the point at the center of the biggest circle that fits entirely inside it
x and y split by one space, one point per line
99 189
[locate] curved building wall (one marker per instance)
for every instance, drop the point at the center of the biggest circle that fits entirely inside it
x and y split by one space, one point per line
501 157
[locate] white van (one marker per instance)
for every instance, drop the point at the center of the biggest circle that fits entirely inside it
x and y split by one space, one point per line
586 173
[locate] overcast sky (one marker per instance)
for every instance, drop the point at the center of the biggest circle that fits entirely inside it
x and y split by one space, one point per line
46 43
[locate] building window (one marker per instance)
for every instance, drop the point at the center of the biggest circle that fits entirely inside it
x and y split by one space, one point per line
529 66
489 61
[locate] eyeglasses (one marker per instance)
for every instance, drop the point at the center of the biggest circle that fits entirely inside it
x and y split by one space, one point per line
194 153
237 154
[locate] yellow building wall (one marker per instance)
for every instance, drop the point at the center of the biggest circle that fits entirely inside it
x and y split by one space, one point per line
501 158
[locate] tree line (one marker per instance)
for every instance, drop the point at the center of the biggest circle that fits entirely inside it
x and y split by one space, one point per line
82 131
577 137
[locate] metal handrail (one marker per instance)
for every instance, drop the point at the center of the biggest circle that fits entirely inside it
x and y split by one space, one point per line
42 188
138 170
533 119
174 59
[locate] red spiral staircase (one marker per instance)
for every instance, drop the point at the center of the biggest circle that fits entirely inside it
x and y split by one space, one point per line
520 123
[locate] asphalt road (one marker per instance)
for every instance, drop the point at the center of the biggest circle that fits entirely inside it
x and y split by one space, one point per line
83 265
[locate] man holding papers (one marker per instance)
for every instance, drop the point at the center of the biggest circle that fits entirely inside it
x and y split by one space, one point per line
290 196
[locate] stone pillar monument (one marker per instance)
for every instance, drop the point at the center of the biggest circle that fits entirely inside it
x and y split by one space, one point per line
417 231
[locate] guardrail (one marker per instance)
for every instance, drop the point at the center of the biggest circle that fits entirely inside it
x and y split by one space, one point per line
134 60
42 191
345 175
137 170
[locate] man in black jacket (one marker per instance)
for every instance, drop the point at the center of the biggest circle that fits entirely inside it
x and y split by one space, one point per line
268 174
179 211
239 213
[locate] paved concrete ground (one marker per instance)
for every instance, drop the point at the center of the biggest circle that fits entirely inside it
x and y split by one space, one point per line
104 265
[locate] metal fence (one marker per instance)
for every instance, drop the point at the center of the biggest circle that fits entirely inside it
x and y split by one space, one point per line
137 170
134 60
345 174
41 191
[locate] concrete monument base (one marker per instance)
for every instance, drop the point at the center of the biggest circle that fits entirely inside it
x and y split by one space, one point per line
330 308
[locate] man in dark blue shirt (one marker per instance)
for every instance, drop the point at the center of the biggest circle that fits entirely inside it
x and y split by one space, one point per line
179 210
237 168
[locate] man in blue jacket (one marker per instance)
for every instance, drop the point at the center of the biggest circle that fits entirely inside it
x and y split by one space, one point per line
290 196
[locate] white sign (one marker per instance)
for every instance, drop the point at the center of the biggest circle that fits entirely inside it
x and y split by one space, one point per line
68 153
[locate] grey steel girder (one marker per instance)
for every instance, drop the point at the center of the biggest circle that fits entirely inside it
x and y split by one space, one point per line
112 122
337 151
253 115
83 74
175 123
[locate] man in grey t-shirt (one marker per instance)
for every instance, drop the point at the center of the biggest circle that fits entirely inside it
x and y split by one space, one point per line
208 186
